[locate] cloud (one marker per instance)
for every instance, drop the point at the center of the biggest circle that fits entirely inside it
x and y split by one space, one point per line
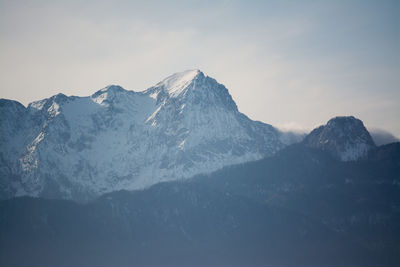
382 137
293 127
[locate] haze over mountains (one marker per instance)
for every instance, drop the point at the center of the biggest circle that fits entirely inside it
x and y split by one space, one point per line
202 184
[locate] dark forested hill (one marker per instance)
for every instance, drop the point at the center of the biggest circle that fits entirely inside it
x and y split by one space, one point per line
301 207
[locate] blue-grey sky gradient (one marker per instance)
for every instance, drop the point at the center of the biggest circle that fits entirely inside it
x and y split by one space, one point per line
293 64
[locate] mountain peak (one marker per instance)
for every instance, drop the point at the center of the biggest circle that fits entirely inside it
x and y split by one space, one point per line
107 94
192 87
344 121
112 89
10 103
175 84
344 137
187 75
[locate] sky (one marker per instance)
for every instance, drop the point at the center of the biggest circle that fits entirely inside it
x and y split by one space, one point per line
293 64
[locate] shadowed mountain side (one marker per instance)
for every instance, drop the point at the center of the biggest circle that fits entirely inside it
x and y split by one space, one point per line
175 223
300 207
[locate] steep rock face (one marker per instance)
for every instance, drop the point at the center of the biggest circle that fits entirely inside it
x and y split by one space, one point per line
12 143
81 147
345 138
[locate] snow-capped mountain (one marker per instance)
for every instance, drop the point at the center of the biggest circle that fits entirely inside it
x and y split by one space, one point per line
81 147
345 138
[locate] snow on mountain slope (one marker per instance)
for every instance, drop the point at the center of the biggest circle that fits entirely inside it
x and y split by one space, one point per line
345 138
81 147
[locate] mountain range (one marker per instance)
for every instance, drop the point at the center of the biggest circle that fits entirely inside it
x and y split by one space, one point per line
81 147
175 175
300 207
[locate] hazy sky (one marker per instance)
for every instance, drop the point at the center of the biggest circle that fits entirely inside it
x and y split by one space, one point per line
289 63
